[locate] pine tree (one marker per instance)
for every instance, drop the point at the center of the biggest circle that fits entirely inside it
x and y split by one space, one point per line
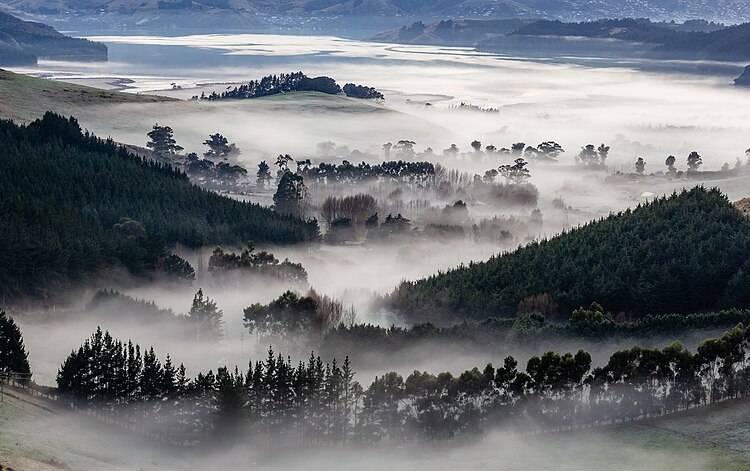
207 318
13 355
162 142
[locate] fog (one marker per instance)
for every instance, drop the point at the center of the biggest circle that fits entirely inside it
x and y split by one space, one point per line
636 111
83 443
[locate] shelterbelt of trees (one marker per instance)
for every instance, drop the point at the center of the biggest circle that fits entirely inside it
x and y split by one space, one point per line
53 160
589 324
688 252
316 403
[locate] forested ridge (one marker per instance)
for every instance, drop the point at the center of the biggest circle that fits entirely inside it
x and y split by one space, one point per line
688 252
52 160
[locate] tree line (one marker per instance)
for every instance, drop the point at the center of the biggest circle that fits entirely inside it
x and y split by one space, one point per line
316 403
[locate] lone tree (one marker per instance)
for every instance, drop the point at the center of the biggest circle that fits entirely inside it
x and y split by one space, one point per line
640 166
220 148
670 164
517 173
208 318
549 150
477 146
452 151
694 161
603 154
290 195
387 149
13 356
264 174
162 142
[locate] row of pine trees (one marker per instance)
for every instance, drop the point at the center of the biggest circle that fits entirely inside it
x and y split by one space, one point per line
314 402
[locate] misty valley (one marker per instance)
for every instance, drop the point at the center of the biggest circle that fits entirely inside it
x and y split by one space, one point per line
246 235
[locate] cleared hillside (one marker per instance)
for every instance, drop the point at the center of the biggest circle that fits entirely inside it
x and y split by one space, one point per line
25 98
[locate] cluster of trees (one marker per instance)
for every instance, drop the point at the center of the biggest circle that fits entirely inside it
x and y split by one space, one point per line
313 403
291 315
213 170
348 217
53 160
683 253
362 92
276 84
261 263
293 82
411 173
592 156
13 356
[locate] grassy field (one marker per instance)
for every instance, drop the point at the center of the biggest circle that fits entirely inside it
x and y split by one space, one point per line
25 98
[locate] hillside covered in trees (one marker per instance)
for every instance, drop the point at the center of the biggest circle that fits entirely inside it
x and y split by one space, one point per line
684 253
51 159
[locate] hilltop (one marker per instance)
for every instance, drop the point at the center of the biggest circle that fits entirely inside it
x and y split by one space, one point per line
26 98
684 253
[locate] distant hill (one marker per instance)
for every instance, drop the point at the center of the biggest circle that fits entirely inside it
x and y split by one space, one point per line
23 42
685 253
570 10
731 43
467 32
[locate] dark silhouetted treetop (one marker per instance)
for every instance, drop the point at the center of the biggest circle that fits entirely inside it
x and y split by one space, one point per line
676 254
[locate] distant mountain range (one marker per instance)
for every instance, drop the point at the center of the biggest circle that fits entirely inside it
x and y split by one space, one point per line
22 42
627 37
724 10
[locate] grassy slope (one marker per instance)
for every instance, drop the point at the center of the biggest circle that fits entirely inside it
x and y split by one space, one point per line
24 98
712 438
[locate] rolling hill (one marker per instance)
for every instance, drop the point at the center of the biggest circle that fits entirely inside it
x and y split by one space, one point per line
684 253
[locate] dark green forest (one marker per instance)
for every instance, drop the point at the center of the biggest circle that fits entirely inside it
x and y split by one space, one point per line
52 160
688 252
44 249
